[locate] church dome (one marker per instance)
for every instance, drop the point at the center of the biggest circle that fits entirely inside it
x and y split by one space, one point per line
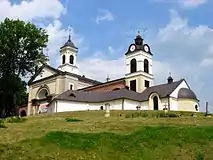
69 43
186 93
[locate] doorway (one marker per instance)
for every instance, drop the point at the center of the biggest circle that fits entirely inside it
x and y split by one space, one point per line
155 102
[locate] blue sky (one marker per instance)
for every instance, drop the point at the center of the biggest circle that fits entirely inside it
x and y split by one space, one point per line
180 34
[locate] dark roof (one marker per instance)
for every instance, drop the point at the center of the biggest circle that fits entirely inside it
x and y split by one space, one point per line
69 43
103 84
90 96
162 90
186 93
59 72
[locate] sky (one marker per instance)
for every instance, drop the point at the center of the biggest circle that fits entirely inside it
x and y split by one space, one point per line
179 33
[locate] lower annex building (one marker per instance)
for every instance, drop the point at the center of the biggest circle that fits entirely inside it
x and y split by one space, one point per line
64 89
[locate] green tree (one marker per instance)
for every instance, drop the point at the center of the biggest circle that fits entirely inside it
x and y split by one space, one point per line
21 52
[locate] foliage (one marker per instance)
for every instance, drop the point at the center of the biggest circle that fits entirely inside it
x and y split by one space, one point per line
14 119
73 120
2 124
21 52
21 47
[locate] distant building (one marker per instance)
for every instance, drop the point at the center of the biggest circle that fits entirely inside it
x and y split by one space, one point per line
64 89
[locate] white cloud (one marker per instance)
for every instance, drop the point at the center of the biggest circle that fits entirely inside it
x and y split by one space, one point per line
57 37
31 10
105 16
191 3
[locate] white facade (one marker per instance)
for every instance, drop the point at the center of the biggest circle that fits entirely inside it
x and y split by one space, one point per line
65 63
140 56
66 106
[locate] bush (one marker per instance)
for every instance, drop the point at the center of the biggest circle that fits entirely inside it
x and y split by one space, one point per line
155 114
2 124
14 119
73 120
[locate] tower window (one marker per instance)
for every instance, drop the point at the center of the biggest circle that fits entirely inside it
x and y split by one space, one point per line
146 83
71 87
71 59
63 59
146 66
133 65
133 85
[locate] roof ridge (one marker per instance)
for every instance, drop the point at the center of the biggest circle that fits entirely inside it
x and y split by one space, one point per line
167 83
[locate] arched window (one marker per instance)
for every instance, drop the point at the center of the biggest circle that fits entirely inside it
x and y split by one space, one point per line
43 93
71 59
155 103
196 107
146 66
63 59
133 66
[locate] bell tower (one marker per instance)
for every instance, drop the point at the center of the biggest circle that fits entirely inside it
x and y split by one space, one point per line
68 55
139 75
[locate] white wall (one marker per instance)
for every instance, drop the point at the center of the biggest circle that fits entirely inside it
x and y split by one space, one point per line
175 92
130 104
145 105
64 106
44 73
139 56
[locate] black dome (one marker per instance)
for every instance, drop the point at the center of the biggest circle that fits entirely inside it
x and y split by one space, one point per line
186 93
69 43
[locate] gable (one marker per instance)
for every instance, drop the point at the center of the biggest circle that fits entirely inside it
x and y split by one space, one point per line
183 84
44 73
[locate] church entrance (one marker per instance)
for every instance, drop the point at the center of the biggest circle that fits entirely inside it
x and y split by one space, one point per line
155 102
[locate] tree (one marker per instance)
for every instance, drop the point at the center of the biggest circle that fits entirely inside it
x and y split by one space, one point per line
21 53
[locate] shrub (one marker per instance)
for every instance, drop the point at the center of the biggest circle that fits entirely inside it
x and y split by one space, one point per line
14 119
2 124
73 120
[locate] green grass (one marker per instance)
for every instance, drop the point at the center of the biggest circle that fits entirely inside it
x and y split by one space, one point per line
93 136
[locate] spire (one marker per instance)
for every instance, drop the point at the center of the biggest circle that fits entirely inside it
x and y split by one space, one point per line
70 31
170 79
139 39
69 42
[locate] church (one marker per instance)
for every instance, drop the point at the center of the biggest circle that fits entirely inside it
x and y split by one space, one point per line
64 89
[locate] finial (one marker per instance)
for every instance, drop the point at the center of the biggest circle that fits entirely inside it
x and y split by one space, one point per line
108 78
70 31
139 32
170 74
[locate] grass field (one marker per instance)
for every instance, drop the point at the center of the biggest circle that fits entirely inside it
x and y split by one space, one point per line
90 135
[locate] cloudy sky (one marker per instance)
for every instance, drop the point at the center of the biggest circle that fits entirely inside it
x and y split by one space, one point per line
179 32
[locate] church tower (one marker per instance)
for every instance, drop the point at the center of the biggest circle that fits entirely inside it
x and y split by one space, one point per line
139 75
68 55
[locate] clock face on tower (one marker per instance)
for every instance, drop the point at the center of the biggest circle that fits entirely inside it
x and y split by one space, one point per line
146 48
132 47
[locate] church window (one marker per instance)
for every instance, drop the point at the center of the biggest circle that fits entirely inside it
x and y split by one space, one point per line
71 87
196 107
146 66
43 93
133 66
63 59
133 85
116 89
146 83
71 59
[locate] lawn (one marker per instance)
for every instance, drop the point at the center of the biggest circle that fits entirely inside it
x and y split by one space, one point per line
89 135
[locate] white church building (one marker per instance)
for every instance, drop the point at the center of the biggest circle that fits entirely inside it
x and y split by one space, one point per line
64 89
